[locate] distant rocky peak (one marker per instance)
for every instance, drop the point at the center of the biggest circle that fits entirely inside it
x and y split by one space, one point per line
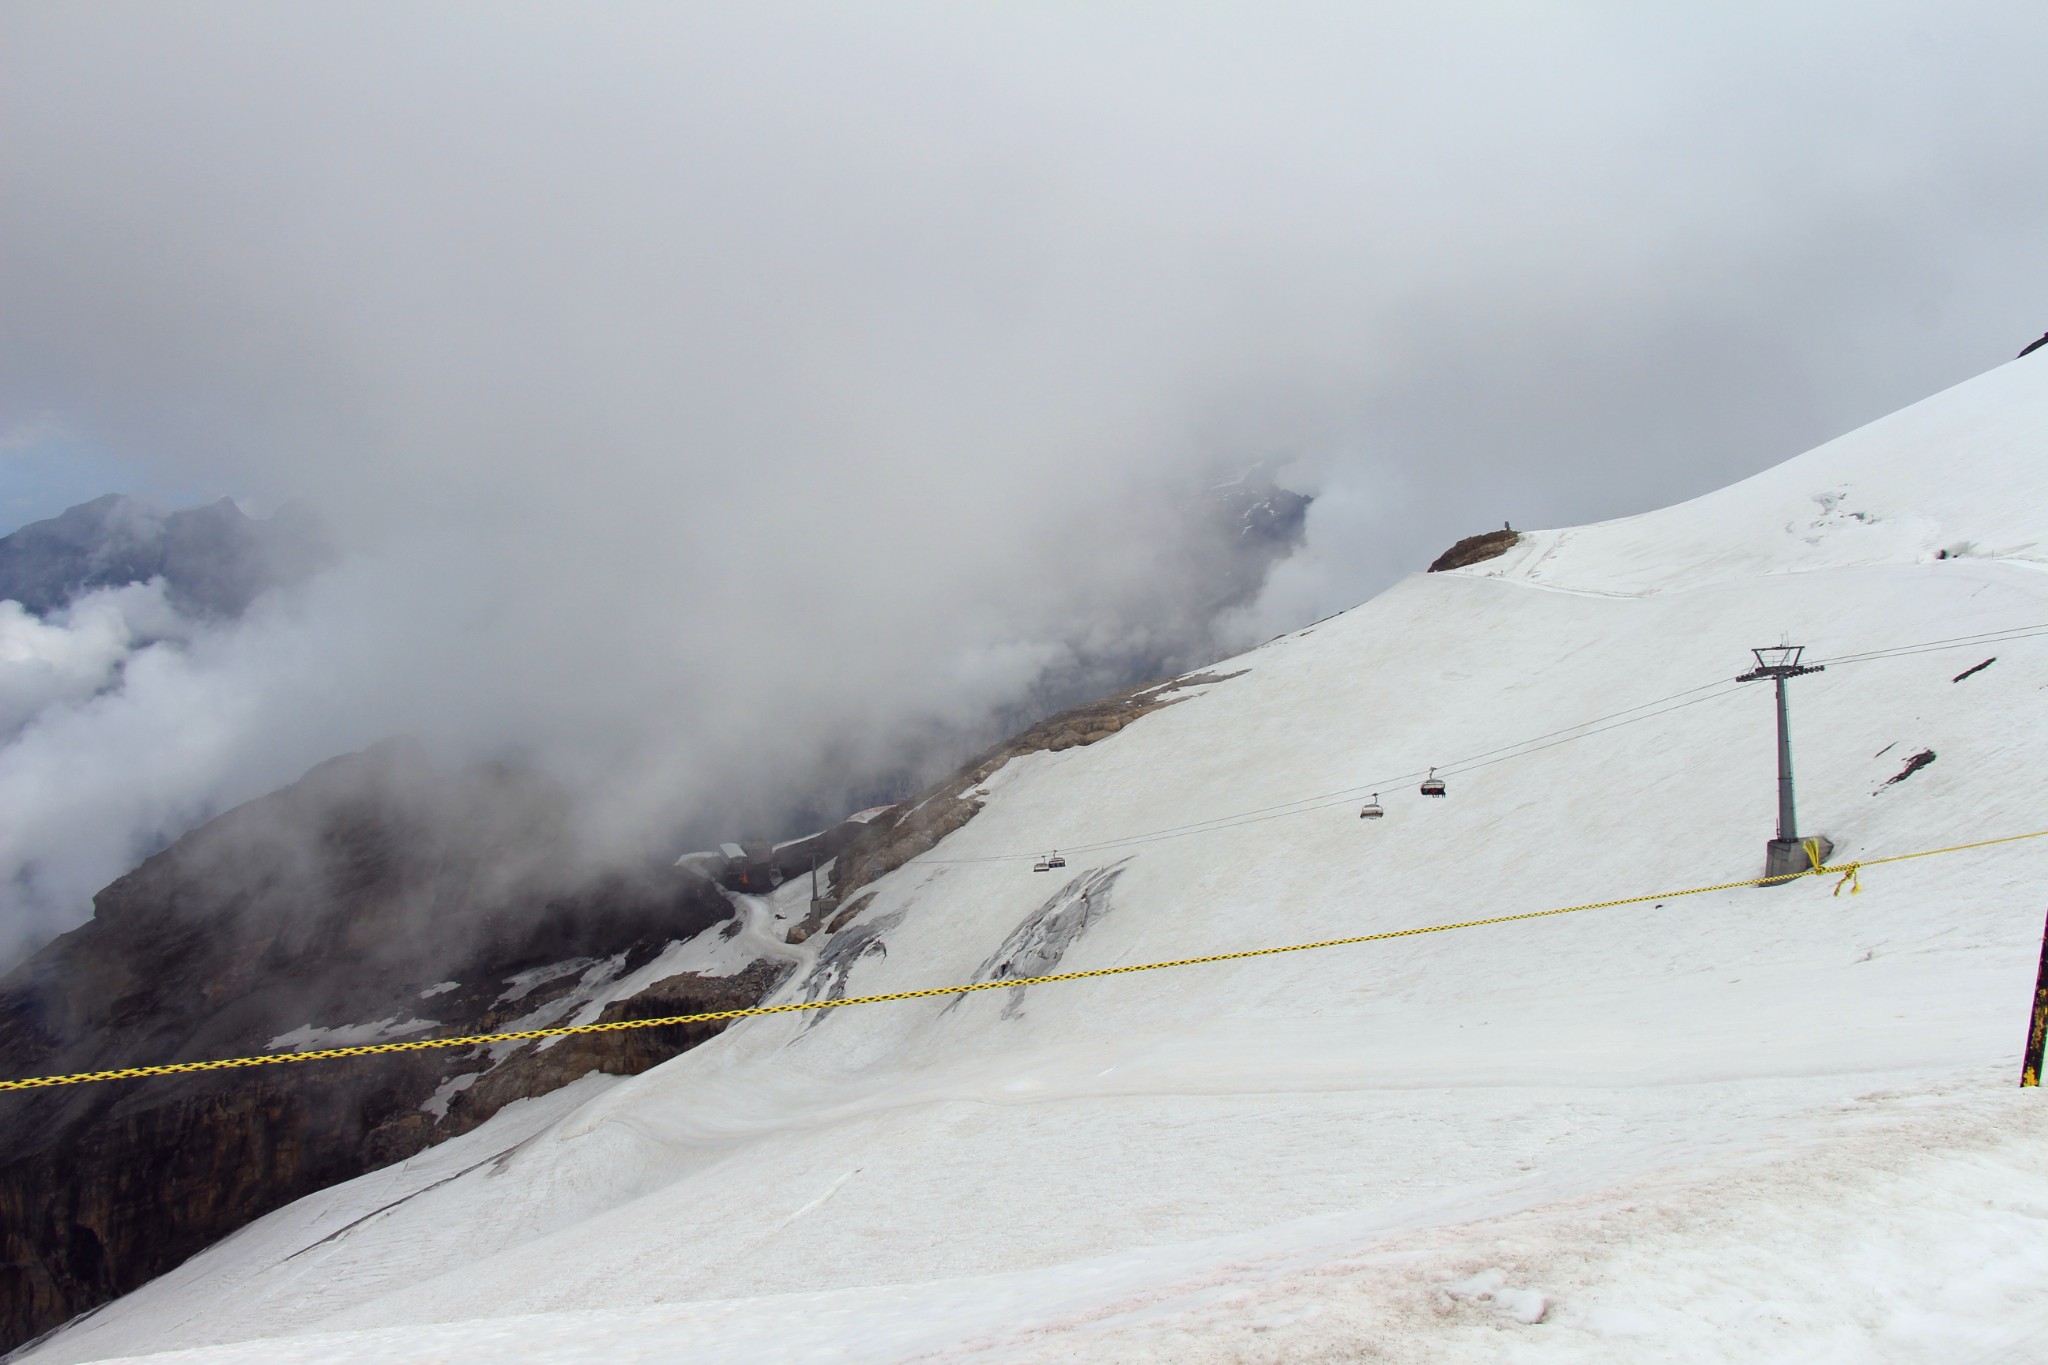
1260 512
214 559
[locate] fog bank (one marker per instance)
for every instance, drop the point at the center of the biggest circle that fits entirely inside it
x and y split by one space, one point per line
720 406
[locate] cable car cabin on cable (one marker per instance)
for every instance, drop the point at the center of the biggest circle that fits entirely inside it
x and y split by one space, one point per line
1372 809
1048 863
1432 785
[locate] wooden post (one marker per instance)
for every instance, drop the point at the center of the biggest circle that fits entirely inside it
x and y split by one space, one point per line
2037 1027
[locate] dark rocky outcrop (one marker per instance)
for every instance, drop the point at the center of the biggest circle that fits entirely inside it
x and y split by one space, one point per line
2034 346
379 889
540 1067
214 560
1261 523
1913 765
1476 550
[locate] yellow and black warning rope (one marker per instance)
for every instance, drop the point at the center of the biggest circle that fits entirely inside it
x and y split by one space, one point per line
1848 872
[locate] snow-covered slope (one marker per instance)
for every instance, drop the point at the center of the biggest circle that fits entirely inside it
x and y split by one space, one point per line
1754 1125
1958 475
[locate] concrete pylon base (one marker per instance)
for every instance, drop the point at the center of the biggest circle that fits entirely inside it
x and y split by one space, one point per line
1787 857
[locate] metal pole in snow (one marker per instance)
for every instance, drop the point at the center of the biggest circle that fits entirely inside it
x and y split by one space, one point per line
2037 1027
1788 822
1784 857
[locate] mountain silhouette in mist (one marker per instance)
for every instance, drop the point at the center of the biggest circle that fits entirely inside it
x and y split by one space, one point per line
214 559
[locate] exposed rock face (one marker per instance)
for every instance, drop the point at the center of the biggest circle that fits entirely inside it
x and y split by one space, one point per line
539 1067
2034 346
1476 550
917 826
214 560
378 897
1264 523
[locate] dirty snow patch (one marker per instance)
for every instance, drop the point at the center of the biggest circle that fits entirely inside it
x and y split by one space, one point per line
445 1093
309 1037
525 983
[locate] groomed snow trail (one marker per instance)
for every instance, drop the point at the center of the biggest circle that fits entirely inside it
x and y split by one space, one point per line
1755 1125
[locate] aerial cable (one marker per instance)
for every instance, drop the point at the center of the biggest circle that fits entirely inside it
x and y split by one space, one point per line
1568 734
1351 793
1989 637
1305 805
1537 748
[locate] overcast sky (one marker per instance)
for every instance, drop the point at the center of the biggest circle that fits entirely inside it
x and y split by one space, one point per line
702 388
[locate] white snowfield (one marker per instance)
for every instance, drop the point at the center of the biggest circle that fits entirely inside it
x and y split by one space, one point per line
1757 1125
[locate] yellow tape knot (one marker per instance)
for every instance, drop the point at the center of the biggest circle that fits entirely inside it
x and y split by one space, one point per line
1851 873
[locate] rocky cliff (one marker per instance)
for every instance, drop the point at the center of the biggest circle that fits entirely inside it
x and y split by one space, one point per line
379 897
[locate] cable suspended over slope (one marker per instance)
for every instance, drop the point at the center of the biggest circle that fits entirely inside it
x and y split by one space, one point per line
1716 690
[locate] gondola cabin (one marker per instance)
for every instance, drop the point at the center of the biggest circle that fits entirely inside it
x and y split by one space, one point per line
1372 809
1055 861
1432 785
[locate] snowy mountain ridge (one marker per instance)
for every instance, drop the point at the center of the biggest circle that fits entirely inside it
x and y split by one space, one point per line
1921 484
1762 1124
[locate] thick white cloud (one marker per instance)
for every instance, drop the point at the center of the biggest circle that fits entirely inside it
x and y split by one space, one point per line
710 393
77 653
